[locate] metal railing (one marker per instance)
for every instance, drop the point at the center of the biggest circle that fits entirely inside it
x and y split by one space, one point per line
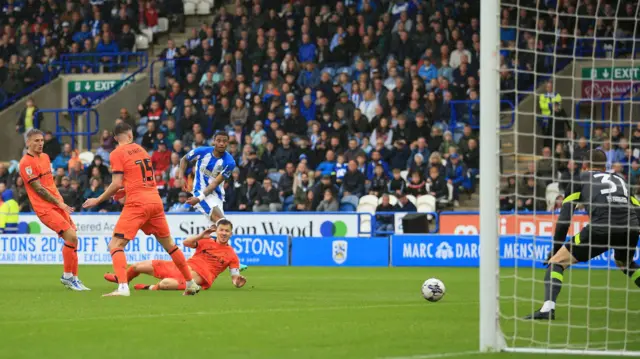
103 61
589 122
172 65
75 116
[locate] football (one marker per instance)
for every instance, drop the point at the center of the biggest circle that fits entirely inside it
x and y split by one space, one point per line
433 289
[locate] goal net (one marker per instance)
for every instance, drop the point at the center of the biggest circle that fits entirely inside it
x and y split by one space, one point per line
569 68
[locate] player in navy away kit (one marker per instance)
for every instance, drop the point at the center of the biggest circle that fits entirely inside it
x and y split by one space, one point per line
613 213
211 167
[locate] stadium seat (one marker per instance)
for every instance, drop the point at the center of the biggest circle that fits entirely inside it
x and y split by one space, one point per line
86 158
274 176
347 207
404 174
367 208
189 8
365 224
393 200
370 200
163 25
412 199
142 42
351 200
148 33
203 8
426 203
552 192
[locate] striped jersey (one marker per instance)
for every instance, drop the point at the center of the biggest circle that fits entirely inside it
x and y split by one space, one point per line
208 167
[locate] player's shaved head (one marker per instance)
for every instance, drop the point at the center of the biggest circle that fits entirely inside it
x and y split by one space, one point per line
596 159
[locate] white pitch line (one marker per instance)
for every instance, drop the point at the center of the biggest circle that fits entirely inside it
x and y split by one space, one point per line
437 356
239 311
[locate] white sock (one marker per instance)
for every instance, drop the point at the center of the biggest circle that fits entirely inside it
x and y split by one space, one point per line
152 287
66 275
548 306
189 283
123 287
75 277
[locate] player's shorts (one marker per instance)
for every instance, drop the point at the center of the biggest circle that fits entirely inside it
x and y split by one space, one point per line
57 220
592 242
149 218
210 202
168 269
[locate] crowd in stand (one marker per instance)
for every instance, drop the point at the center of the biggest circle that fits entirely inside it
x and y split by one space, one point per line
35 33
323 100
322 103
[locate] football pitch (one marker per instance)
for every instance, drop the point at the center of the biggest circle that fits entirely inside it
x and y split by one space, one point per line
294 312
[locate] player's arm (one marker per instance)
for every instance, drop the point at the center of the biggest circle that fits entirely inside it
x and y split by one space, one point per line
192 241
234 267
48 196
115 186
564 221
188 159
224 174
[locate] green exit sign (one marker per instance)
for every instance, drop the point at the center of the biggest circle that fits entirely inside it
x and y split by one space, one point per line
611 73
96 85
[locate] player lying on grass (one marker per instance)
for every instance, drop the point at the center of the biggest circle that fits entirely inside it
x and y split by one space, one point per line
613 225
211 258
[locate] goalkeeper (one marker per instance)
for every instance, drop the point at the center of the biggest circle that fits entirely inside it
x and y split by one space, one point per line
613 225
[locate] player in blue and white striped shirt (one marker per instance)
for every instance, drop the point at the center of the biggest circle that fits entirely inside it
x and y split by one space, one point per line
211 167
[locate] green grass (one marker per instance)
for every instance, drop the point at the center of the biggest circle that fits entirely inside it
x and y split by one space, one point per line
287 313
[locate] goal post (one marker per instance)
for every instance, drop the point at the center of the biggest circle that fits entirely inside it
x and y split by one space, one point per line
490 337
577 63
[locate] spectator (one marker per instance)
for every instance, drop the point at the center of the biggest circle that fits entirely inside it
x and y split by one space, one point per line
354 181
384 222
437 186
161 159
456 175
404 204
379 182
248 195
328 203
547 99
327 167
20 194
544 167
417 185
94 191
5 176
103 170
268 199
62 161
301 201
29 117
181 206
51 145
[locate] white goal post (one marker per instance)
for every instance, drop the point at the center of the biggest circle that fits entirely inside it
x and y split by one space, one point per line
490 336
597 310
